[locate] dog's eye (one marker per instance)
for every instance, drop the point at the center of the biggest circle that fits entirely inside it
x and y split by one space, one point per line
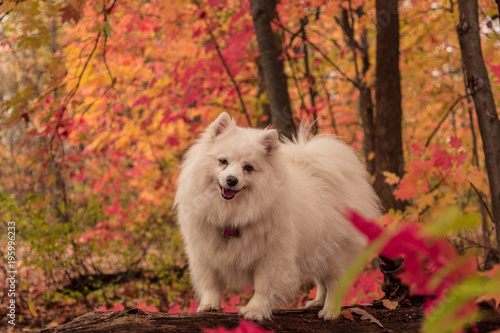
223 161
248 168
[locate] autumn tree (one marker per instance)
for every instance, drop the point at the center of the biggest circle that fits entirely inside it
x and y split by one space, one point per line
388 128
276 83
479 86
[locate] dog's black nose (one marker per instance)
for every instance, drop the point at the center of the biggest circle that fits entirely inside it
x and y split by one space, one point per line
231 181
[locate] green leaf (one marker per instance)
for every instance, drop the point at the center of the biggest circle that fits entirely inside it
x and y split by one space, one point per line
355 269
445 316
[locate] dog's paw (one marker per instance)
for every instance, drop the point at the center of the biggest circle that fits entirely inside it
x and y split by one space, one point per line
326 314
208 307
253 314
314 304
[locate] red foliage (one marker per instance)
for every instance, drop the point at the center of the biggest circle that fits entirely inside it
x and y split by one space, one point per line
245 327
175 309
145 307
116 307
425 258
495 69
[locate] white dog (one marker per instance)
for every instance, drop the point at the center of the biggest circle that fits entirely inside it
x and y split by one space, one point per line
252 209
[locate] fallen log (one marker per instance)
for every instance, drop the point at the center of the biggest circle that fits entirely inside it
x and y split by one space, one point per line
406 319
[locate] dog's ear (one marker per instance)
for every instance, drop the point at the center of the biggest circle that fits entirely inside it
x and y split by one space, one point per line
269 139
220 125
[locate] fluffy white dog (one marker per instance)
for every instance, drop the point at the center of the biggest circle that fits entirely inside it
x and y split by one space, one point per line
252 209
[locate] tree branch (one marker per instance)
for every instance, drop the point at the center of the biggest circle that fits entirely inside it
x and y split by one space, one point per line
450 109
482 202
317 49
333 123
106 13
231 76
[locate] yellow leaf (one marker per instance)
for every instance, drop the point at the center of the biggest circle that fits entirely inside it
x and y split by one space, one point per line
425 200
390 178
449 199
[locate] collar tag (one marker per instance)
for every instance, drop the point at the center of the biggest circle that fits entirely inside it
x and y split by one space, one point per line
231 232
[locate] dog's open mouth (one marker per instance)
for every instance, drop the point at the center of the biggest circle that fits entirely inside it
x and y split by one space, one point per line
227 193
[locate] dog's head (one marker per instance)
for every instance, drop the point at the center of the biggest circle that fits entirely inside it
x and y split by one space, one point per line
242 157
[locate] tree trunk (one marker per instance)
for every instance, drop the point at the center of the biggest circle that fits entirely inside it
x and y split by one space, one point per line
365 111
388 133
273 72
478 85
265 117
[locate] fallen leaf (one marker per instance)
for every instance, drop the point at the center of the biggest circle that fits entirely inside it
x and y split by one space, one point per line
347 314
366 316
390 304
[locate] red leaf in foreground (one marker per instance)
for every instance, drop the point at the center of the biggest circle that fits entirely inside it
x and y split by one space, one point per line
245 327
370 229
423 255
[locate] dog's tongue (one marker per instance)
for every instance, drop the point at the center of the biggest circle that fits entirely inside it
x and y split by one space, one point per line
227 193
231 232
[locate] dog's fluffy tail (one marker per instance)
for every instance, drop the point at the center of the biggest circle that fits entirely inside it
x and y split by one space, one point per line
337 164
302 136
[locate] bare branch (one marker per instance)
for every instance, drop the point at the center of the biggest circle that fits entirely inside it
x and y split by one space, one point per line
482 201
231 76
450 109
317 49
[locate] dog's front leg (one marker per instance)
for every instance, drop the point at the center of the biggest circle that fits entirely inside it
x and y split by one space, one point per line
208 286
274 283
